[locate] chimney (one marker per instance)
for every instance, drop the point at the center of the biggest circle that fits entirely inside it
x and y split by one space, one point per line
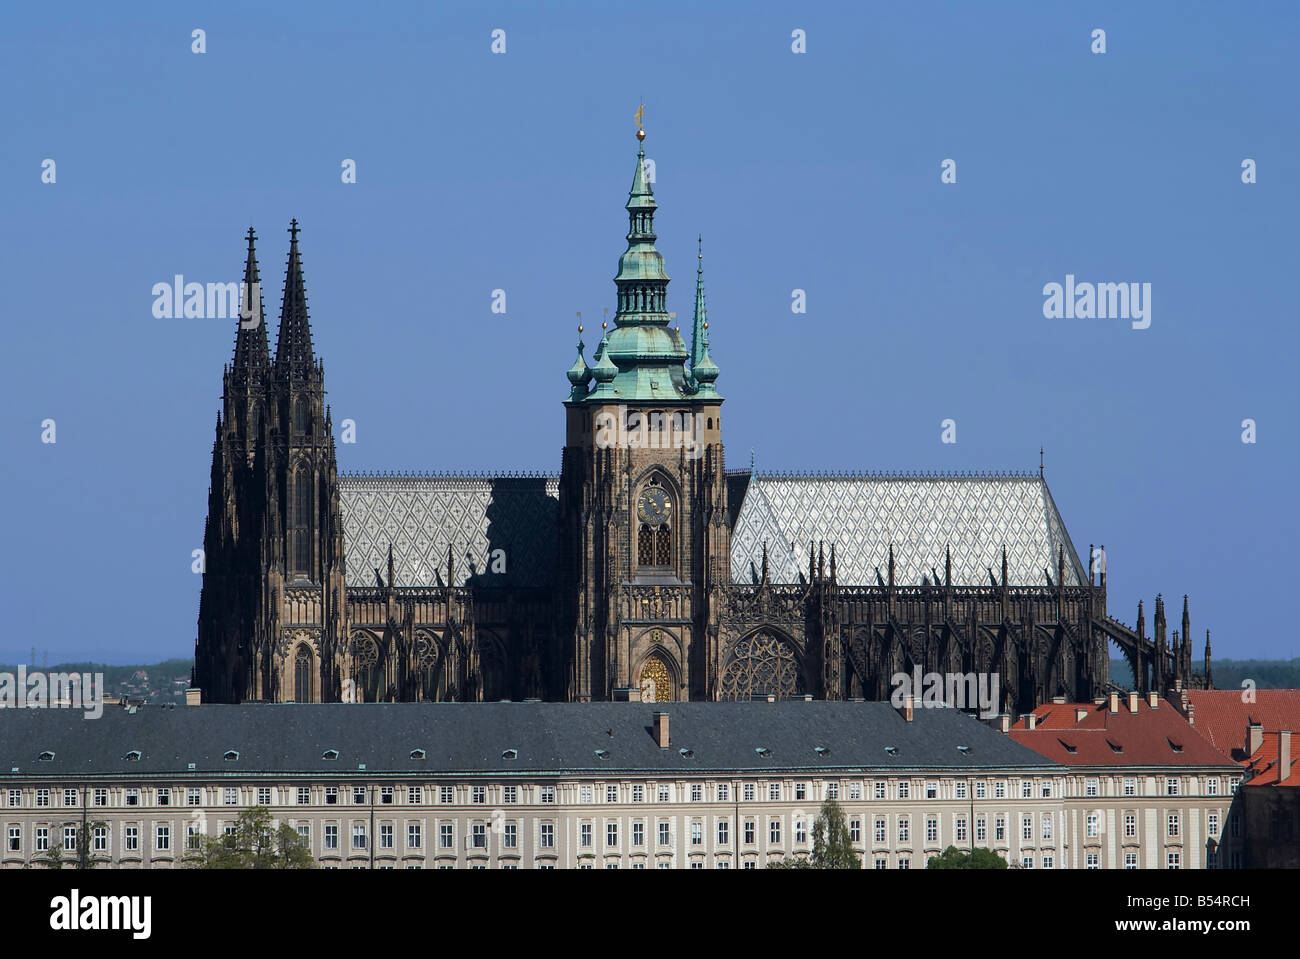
1031 721
1133 702
1153 699
1079 713
908 708
1058 700
193 697
661 730
1283 755
1254 738
1004 720
1114 702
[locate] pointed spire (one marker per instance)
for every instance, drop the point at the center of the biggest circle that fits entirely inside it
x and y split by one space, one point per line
764 580
891 564
1004 564
832 562
293 351
947 565
703 370
252 354
390 566
1209 680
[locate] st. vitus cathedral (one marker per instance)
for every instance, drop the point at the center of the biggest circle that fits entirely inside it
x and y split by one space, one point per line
646 569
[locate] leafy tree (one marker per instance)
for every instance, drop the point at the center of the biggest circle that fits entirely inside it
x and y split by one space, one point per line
832 846
55 857
255 844
954 858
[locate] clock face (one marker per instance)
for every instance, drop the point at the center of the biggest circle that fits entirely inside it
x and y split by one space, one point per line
653 506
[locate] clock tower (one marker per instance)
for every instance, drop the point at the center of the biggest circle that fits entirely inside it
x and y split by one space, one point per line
644 527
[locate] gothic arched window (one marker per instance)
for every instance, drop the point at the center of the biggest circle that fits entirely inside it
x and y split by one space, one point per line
431 665
302 675
301 417
369 672
761 664
300 521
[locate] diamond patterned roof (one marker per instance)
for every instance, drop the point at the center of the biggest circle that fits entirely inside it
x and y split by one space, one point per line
920 515
475 515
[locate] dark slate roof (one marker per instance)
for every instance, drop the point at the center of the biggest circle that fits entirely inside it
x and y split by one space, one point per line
470 739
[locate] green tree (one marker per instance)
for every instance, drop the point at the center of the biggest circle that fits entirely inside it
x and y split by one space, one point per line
832 845
954 858
255 844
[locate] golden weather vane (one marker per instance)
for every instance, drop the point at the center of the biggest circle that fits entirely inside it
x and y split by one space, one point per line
640 116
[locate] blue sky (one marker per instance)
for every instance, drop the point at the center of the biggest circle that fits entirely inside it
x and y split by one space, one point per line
817 171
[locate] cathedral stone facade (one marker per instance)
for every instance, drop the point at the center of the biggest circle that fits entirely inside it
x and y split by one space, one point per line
645 570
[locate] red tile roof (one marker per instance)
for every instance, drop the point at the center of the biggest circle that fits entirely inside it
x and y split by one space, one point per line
1264 766
1222 717
1084 734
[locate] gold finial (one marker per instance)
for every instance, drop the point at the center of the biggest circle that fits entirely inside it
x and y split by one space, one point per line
579 327
604 326
706 324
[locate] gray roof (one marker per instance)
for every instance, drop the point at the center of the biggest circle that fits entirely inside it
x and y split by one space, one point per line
469 739
421 516
919 515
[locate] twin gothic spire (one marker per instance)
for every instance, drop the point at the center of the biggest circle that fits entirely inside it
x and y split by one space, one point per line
293 351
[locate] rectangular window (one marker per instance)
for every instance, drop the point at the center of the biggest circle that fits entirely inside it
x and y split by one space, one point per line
15 839
1026 789
1130 860
981 789
904 862
584 834
904 790
855 831
611 794
586 794
1026 828
385 835
445 795
748 792
230 797
832 791
264 795
1093 861
1173 825
43 797
638 834
548 795
331 836
358 795
548 835
1130 787
904 829
478 795
1046 831
800 791
697 834
42 838
724 835
878 831
881 862
1093 826
1212 824
880 790
1049 861
193 797
1173 860
1130 826
1046 790
855 792
304 795
697 792
510 794
664 838
749 832
774 832
70 839
446 836
999 828
358 836
959 829
1171 787
981 829
101 797
163 837
1212 786
611 834
99 839
478 835
638 793
385 795
70 797
1090 787
510 838
1000 789
931 790
800 831
774 791
960 787
413 837
131 838
1027 862
16 796
931 829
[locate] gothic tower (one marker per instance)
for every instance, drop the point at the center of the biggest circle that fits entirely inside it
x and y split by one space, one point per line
272 615
645 536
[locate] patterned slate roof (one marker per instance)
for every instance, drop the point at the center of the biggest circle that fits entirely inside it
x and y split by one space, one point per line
475 515
472 739
919 515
